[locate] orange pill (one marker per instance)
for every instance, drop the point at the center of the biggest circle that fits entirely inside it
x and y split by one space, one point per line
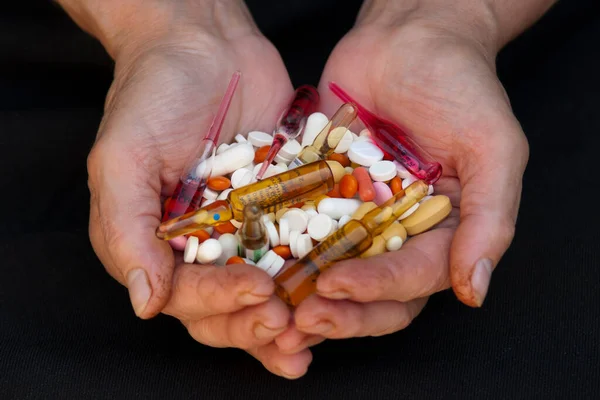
396 185
235 260
283 251
261 154
202 235
227 227
366 191
348 186
341 158
218 183
335 192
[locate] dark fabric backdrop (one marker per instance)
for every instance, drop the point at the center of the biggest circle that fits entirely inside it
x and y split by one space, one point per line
67 330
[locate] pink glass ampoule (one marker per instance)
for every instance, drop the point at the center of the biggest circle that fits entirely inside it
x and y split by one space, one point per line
187 195
291 123
395 141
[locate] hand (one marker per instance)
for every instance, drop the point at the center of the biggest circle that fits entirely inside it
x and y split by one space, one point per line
166 89
437 79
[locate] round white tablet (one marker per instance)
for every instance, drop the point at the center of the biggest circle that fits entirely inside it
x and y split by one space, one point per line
320 226
191 249
311 213
294 243
382 171
344 220
273 170
297 219
345 143
284 232
364 153
291 149
209 251
408 212
401 171
279 159
223 195
265 262
240 138
210 194
272 232
240 178
304 245
394 243
276 266
260 139
408 181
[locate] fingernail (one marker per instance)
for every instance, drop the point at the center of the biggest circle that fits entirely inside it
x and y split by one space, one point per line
139 290
337 295
480 281
263 332
322 327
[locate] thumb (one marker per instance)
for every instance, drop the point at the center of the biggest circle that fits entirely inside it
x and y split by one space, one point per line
491 179
124 213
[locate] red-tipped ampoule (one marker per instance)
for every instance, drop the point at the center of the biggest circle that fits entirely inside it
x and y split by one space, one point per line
189 190
393 140
292 121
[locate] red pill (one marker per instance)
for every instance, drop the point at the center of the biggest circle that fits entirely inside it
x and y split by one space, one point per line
366 191
348 186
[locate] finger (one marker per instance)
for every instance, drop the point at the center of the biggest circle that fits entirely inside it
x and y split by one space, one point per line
245 329
337 319
290 366
124 213
200 291
418 269
292 341
491 192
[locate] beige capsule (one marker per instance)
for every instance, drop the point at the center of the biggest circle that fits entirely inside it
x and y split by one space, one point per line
378 247
429 214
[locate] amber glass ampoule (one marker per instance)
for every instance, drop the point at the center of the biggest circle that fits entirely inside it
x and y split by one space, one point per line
298 281
253 237
270 194
329 137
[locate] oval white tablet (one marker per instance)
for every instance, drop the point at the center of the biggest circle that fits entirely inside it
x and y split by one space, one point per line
265 262
394 243
320 226
240 138
409 181
297 219
304 245
345 143
260 139
210 194
291 149
284 232
337 208
294 243
229 246
408 212
208 251
314 125
364 153
222 147
240 178
272 233
382 171
228 161
191 249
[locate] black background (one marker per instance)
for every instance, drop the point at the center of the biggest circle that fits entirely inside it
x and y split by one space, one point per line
67 330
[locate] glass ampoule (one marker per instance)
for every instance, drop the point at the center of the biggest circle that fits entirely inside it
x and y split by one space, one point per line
298 281
271 194
329 137
253 237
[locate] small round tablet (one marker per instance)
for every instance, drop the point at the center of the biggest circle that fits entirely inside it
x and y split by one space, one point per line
320 226
291 149
209 251
240 178
382 171
394 243
304 245
408 212
272 232
284 232
294 243
297 219
265 262
210 194
401 171
260 139
364 153
191 249
222 147
345 143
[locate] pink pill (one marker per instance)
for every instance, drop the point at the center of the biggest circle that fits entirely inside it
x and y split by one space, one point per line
382 193
178 243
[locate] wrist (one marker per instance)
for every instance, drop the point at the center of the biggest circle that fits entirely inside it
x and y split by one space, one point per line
470 21
123 26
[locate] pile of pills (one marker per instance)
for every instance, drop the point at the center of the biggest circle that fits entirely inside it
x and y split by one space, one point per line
369 181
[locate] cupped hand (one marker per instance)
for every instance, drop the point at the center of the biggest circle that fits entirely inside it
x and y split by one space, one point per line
436 79
165 93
